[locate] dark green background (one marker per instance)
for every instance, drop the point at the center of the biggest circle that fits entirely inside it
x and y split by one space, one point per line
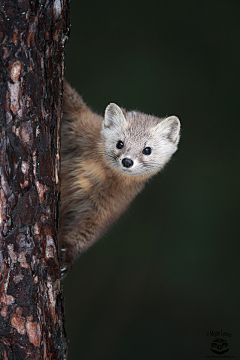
168 272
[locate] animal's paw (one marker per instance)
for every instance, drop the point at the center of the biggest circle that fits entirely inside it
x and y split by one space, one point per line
63 272
66 262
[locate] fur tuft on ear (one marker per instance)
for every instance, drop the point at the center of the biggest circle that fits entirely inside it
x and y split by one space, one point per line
113 116
169 127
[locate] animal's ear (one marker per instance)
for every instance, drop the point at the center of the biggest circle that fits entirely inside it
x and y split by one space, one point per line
169 127
114 116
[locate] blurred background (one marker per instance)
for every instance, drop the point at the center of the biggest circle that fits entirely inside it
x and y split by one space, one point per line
167 274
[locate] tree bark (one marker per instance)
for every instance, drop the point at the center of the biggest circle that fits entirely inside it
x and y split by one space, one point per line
33 39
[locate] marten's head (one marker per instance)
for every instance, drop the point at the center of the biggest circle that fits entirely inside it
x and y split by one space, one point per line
136 143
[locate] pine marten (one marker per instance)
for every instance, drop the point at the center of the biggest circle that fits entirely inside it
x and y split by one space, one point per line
105 163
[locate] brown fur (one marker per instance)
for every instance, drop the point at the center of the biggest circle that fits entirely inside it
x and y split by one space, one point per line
93 193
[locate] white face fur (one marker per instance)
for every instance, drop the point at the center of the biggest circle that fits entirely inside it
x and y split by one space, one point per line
136 143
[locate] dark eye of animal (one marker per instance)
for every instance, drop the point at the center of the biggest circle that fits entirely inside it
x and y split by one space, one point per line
147 151
120 144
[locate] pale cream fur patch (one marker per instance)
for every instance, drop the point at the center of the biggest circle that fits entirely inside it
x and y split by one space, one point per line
84 183
93 170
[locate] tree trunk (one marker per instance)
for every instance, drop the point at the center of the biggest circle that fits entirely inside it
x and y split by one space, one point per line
33 39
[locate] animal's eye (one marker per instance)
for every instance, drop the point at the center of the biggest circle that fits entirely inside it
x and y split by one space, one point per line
120 144
147 151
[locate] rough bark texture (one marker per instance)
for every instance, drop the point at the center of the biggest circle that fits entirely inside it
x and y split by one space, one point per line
33 38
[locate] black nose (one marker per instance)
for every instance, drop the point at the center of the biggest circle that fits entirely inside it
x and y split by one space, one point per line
127 162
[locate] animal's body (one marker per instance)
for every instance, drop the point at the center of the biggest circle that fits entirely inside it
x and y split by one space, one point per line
105 163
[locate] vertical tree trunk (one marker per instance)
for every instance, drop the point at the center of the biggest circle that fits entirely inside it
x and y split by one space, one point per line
33 40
